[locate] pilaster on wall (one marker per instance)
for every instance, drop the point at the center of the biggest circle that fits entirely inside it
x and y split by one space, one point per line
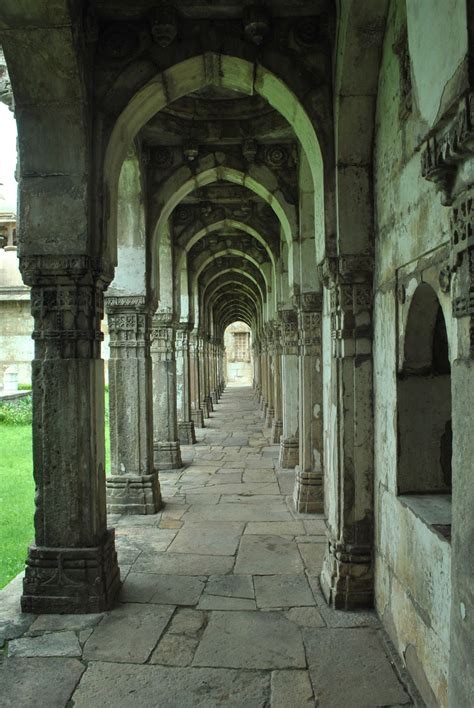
72 564
347 575
447 160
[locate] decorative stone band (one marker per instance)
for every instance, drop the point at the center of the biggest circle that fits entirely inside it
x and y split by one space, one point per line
289 332
67 305
129 325
449 146
163 336
462 259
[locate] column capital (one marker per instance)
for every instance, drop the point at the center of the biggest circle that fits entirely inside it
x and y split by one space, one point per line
162 336
67 305
289 332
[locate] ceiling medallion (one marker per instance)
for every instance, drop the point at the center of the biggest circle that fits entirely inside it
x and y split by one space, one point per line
306 31
184 213
256 23
164 25
276 156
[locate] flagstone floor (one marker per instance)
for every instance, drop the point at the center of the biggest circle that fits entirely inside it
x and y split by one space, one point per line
220 604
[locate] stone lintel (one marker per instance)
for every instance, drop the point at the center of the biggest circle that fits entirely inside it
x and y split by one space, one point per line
133 494
71 580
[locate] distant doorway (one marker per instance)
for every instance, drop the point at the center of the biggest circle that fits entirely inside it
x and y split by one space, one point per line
238 353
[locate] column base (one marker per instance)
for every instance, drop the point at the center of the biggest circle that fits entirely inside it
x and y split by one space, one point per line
289 453
167 455
71 580
198 417
186 432
261 404
270 414
309 493
208 403
277 430
347 579
133 494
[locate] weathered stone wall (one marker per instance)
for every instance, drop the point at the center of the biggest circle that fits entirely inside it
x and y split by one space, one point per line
16 345
413 561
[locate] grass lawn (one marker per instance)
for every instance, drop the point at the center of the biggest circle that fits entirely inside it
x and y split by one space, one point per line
17 491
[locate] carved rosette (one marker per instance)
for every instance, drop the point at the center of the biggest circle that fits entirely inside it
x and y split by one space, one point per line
162 337
462 259
67 305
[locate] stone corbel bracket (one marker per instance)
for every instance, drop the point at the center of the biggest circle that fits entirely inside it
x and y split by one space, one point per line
450 144
462 259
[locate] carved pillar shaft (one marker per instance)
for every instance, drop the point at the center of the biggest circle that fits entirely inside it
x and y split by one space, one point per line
289 446
309 489
132 487
167 453
347 575
197 414
277 424
270 410
183 387
72 564
264 362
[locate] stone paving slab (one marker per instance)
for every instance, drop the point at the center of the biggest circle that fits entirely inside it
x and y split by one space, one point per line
292 689
349 668
231 586
282 591
208 538
275 528
55 623
250 640
128 634
38 683
170 687
51 644
237 512
162 589
216 602
183 564
268 555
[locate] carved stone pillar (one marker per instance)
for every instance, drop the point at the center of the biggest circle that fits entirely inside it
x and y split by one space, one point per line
309 487
277 424
264 366
197 413
347 575
256 369
289 445
186 432
202 364
206 356
167 452
132 487
72 564
270 409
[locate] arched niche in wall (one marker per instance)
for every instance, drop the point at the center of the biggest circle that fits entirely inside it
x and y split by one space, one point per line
424 400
